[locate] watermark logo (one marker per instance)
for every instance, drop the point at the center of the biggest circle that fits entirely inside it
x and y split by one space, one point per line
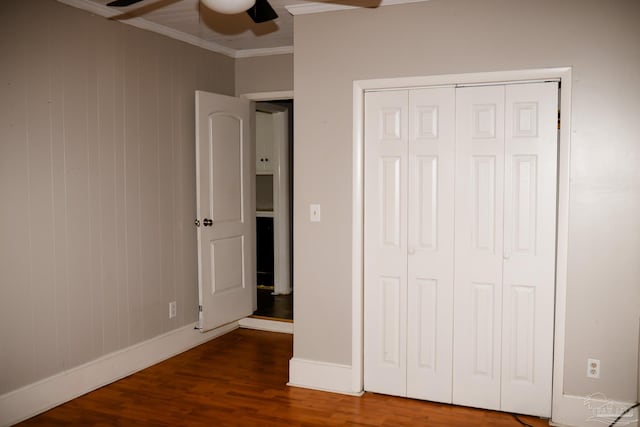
607 411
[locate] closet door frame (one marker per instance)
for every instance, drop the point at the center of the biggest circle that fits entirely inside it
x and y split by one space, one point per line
563 75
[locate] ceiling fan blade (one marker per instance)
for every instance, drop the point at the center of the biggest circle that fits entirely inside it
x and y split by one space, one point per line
122 3
262 12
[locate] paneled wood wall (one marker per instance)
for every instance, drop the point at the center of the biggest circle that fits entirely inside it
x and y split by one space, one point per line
97 185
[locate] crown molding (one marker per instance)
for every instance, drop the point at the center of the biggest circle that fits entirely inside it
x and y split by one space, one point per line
319 7
267 51
300 9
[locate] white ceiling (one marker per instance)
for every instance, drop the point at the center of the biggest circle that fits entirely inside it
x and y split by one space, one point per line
233 35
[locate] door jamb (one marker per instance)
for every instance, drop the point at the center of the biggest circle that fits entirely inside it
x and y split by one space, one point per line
268 96
564 157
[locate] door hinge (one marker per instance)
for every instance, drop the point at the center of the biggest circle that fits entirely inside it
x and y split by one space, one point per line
558 119
200 308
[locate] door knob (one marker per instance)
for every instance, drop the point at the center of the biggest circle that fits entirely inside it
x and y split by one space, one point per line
207 222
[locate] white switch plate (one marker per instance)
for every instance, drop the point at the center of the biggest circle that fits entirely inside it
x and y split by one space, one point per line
314 213
172 309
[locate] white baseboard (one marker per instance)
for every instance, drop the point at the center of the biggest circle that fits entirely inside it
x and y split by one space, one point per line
321 376
266 325
32 399
579 411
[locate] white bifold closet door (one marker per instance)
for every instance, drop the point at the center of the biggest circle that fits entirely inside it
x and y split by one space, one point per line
459 251
385 231
409 242
505 230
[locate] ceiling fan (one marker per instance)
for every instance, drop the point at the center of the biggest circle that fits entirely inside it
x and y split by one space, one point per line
258 10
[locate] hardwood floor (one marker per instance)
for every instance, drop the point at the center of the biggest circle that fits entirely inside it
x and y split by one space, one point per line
240 380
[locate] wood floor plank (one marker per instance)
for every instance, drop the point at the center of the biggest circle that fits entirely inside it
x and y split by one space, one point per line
240 380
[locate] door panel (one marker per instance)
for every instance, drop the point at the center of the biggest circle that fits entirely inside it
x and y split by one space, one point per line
523 203
427 202
224 196
478 246
225 170
483 207
430 243
529 252
390 200
385 246
483 332
520 336
391 299
427 326
227 264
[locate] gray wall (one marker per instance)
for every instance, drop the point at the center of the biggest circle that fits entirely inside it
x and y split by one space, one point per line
264 74
598 39
97 185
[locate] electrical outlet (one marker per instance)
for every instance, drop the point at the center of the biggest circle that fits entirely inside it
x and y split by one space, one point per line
172 309
593 368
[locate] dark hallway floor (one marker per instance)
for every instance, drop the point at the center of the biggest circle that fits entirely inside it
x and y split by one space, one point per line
274 306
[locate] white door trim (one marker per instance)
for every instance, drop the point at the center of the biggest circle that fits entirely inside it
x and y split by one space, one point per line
266 325
268 96
359 87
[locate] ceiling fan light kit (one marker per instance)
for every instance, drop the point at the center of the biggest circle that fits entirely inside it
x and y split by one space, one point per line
229 6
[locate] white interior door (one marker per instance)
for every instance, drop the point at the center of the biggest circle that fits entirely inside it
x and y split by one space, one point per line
478 246
529 247
385 247
430 243
225 209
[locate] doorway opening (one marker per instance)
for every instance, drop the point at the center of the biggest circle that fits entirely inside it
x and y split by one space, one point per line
274 209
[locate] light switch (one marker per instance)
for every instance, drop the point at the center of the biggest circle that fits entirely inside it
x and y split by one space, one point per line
314 213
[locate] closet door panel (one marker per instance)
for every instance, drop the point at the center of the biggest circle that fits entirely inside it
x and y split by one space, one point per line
385 245
431 159
478 246
529 247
